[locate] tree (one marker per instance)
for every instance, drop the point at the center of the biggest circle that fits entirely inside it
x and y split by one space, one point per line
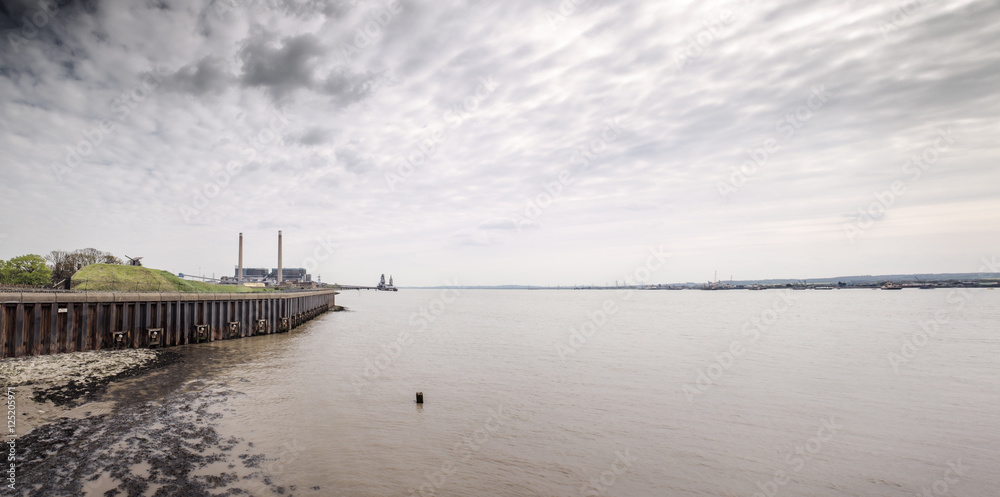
59 263
25 270
64 264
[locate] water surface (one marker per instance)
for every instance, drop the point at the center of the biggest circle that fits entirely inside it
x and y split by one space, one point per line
829 393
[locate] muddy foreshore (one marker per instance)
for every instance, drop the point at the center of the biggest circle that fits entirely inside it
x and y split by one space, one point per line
127 423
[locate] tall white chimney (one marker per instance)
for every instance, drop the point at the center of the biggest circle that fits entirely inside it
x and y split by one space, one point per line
239 276
279 258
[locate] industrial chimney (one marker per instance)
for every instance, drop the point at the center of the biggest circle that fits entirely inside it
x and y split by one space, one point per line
239 275
279 257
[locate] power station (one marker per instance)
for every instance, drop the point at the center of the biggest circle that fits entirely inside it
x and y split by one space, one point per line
262 276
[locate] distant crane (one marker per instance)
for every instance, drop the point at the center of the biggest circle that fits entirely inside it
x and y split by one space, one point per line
137 261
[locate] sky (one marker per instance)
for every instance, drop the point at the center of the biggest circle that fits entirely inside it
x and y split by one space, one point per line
489 142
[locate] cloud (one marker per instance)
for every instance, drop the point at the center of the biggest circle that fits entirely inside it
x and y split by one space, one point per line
335 9
314 136
497 224
263 88
353 159
346 87
280 66
207 76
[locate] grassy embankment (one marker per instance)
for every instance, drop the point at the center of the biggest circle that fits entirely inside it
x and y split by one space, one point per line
115 277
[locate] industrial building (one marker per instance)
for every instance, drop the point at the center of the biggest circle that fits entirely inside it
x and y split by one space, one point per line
264 276
268 277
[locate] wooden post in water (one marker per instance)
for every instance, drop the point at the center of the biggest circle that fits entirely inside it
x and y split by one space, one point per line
420 397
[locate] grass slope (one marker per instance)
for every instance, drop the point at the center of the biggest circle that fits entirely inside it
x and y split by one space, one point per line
115 277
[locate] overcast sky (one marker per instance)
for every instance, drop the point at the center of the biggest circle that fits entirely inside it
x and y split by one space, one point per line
505 142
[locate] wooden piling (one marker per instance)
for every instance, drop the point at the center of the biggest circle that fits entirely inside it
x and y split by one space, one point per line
50 323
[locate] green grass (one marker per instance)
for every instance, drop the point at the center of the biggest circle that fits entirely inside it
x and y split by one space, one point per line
115 277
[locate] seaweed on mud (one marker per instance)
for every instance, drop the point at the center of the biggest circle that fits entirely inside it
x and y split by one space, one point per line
174 440
91 386
250 461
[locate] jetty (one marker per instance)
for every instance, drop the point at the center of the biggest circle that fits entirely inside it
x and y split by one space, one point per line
35 323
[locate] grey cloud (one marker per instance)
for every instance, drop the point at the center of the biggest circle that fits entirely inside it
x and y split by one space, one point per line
13 12
346 87
472 238
314 136
513 223
280 69
292 64
354 159
686 128
208 75
334 9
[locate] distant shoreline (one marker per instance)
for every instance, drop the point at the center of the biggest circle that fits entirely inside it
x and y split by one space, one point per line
941 280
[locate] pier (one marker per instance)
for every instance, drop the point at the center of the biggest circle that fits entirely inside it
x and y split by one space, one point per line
382 286
51 323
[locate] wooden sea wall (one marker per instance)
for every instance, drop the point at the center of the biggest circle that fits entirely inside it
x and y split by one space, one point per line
50 323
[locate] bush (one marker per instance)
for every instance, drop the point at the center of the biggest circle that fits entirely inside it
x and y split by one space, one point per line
25 270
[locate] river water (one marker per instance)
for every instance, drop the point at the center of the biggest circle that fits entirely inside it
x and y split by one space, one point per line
648 393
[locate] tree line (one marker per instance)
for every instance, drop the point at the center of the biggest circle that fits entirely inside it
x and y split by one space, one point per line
58 265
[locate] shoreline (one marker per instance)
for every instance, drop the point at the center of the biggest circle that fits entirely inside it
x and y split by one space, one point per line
129 422
49 387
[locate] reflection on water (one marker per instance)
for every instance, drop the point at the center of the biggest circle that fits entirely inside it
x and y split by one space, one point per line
617 393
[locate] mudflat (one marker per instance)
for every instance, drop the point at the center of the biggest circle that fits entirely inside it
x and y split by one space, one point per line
130 422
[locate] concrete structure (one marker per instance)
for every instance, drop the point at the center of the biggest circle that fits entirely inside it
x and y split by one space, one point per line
239 274
261 275
294 274
50 323
269 276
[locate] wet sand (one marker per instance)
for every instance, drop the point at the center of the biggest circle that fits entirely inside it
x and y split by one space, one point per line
128 423
49 387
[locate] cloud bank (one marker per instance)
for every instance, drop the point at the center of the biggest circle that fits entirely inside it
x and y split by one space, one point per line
504 142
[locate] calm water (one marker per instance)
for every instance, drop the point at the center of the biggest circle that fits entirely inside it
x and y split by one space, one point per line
829 393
